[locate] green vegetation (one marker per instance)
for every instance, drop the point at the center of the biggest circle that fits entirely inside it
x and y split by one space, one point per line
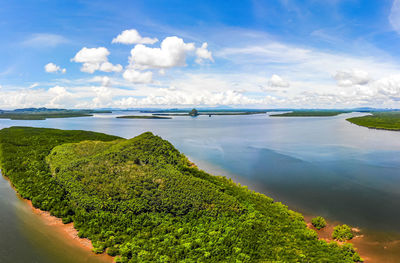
318 222
141 199
142 117
379 120
342 233
44 113
41 116
193 113
310 113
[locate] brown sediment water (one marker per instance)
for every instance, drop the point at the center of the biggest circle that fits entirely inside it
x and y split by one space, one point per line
372 246
54 240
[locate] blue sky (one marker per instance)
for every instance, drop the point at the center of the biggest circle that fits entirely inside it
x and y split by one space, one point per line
261 54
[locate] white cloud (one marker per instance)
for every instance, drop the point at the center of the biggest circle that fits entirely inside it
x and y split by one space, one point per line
172 53
172 97
103 97
136 76
133 37
44 40
53 68
95 59
389 86
203 54
58 96
277 81
104 80
108 67
394 17
34 85
352 77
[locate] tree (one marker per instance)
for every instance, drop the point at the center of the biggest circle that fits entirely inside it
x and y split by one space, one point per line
318 222
342 233
193 113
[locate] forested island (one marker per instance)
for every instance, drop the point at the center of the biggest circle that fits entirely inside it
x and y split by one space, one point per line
379 120
44 113
195 112
309 113
141 200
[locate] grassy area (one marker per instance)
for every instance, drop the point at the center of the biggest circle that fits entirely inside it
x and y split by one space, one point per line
311 113
141 199
379 120
142 117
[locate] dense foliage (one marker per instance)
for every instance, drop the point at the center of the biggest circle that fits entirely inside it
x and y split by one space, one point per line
318 222
44 113
342 233
193 113
144 201
379 120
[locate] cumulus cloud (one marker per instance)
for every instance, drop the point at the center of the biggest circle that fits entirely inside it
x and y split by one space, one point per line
352 77
103 96
108 67
132 36
394 17
203 54
173 97
172 53
389 86
53 68
58 96
95 59
277 82
104 80
136 76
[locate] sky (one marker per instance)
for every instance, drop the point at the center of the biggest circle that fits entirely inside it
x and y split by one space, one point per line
209 53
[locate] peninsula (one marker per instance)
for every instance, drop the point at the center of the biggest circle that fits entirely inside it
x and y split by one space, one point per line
141 200
379 120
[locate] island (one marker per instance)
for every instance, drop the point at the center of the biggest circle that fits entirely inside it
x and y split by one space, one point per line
379 120
45 113
142 117
141 200
309 113
195 112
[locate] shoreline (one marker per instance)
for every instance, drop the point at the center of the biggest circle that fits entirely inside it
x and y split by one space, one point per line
372 246
67 230
374 128
369 249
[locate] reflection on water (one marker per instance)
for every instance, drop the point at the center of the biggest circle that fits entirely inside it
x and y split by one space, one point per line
323 166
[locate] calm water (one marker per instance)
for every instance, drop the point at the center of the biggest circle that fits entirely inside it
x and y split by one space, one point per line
323 166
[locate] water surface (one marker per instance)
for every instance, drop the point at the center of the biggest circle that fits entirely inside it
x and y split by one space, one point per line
317 165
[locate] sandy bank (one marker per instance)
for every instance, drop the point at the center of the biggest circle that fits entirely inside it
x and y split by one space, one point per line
372 246
67 231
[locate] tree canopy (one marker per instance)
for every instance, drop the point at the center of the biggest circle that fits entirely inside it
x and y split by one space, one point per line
142 201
